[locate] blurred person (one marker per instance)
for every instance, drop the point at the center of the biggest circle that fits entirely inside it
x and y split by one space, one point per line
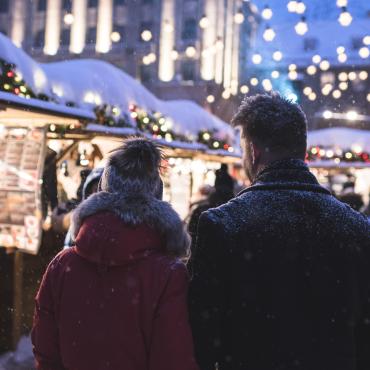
117 299
282 271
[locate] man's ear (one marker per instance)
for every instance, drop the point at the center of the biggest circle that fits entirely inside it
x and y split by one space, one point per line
255 153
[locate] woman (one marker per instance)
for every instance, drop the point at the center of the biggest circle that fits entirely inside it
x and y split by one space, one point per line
117 300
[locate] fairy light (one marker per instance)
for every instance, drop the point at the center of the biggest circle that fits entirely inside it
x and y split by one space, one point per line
301 7
269 34
363 75
352 115
204 22
146 35
68 19
342 3
342 58
244 89
307 90
364 52
267 12
316 59
343 86
324 65
115 36
257 58
336 94
345 18
254 81
343 76
210 99
312 96
275 74
266 83
277 56
311 70
190 51
239 17
352 76
366 40
301 27
292 67
292 6
293 75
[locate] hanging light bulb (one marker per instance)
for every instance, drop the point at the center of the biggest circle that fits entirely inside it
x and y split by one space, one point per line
256 58
345 18
342 3
267 12
300 8
269 34
292 6
204 22
301 27
277 56
239 17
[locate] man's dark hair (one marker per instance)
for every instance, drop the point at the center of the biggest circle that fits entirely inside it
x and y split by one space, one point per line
274 122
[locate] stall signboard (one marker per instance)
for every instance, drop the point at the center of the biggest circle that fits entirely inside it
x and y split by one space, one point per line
22 154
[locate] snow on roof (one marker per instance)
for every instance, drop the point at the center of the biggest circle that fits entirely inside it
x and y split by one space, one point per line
342 138
89 83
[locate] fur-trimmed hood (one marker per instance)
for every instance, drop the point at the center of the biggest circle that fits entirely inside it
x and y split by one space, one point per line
135 210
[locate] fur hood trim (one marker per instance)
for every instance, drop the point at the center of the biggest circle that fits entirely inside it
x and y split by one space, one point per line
137 209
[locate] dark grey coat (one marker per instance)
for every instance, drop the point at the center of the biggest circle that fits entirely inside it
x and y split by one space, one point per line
281 278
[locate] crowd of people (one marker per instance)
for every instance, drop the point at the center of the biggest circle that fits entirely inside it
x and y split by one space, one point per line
276 277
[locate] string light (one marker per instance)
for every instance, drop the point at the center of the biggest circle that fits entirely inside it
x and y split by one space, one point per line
340 49
342 3
324 65
68 19
316 59
239 17
366 40
292 6
300 8
343 85
301 27
312 96
293 75
307 90
269 34
277 56
275 74
257 58
174 54
311 70
364 52
352 76
190 51
146 35
254 81
345 18
204 22
292 67
115 36
327 115
226 94
336 94
210 99
342 58
266 83
267 12
244 89
363 75
343 76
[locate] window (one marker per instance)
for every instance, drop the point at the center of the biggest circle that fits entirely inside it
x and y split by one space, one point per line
39 39
91 35
93 3
188 70
189 31
41 5
65 36
310 44
4 6
119 2
145 73
67 5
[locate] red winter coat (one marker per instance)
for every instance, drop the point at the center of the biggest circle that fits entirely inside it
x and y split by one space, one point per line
115 301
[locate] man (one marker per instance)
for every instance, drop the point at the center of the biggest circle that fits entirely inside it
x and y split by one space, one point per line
281 273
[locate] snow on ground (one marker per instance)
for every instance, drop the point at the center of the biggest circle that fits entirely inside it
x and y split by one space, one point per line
21 359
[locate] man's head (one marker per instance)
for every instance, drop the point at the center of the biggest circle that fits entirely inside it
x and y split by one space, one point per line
272 128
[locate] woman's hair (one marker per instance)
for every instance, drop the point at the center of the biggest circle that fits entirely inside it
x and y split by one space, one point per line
134 167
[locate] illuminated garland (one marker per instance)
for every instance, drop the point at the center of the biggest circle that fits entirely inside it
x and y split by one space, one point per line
316 153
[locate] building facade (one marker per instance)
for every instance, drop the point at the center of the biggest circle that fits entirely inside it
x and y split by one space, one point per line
177 48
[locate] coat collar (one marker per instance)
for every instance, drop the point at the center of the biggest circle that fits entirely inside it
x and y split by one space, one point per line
286 174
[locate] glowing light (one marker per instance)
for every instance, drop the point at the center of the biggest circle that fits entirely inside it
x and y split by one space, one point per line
292 67
204 22
40 78
348 155
244 89
174 54
324 65
292 6
89 97
352 115
311 70
327 114
210 98
269 34
146 35
168 27
266 83
352 76
327 89
292 97
133 114
239 17
337 94
343 76
226 94
254 81
277 56
52 127
216 144
190 51
267 13
366 40
312 96
257 58
301 27
115 36
343 85
364 52
293 75
357 148
307 90
275 74
345 18
363 75
316 59
341 49
300 8
342 58
68 19
342 3
368 97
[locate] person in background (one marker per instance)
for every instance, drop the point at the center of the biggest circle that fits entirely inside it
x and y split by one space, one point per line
90 187
281 273
117 300
223 192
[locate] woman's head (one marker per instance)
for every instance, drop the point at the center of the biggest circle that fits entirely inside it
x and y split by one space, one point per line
134 167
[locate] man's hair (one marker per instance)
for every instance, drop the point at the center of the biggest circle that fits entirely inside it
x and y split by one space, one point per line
273 122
